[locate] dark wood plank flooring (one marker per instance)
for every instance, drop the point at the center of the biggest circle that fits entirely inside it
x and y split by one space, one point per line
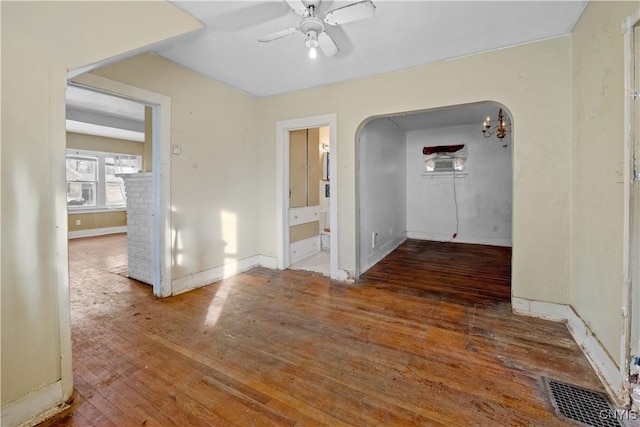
426 338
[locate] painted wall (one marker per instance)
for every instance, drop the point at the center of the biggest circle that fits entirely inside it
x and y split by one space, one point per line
596 170
78 141
383 190
214 189
40 42
96 220
532 81
482 192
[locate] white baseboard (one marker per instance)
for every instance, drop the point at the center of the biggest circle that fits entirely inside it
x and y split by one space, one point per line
445 237
382 252
207 277
268 262
97 232
602 363
34 408
599 358
541 309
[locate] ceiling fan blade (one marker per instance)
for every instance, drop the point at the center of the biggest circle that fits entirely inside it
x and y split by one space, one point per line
351 12
298 7
327 45
278 35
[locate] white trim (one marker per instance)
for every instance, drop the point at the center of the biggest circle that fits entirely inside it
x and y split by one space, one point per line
58 156
385 250
446 237
544 310
97 232
80 211
629 229
212 275
268 262
36 407
600 360
282 188
161 105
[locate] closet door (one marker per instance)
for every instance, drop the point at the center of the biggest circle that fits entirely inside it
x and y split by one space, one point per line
298 168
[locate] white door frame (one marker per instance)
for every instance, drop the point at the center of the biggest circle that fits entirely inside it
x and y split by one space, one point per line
161 181
631 308
282 191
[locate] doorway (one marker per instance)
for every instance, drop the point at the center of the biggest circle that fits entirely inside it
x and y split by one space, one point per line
433 175
284 134
309 200
160 112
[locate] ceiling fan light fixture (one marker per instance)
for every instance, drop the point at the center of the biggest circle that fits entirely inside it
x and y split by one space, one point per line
312 53
312 39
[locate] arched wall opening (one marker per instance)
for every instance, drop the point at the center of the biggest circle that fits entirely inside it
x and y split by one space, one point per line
399 195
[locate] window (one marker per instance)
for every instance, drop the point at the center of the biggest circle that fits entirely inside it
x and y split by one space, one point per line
82 180
92 182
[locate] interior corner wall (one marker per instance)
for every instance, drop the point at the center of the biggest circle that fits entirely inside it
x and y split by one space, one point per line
482 194
597 170
40 42
214 192
382 190
534 84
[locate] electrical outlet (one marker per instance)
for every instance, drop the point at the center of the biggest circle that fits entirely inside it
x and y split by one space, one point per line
374 239
78 221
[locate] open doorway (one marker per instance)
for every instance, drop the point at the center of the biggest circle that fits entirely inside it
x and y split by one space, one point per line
108 140
309 200
285 130
157 110
433 176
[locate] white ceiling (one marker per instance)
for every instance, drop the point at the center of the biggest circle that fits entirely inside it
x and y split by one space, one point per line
401 35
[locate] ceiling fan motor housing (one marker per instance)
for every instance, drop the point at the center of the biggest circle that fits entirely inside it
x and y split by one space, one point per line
311 23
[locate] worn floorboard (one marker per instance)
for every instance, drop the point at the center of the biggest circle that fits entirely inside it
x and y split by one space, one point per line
427 337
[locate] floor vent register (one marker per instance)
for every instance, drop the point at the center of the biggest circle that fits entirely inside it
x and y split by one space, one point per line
586 407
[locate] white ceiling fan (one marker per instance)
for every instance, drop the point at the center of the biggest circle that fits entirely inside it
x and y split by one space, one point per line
313 27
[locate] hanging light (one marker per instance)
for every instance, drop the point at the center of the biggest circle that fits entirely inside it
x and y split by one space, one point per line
500 130
312 43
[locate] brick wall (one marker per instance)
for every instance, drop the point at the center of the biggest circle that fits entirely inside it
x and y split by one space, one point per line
139 226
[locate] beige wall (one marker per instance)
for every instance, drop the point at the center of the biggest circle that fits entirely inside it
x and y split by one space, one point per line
78 141
97 220
596 170
532 81
40 41
214 180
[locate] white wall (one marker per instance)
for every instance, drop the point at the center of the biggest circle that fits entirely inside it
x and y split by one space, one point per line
482 191
382 190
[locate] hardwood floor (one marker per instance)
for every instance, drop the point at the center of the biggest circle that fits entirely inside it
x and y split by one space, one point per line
426 338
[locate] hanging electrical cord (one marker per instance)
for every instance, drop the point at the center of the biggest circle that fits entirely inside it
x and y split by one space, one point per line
455 202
